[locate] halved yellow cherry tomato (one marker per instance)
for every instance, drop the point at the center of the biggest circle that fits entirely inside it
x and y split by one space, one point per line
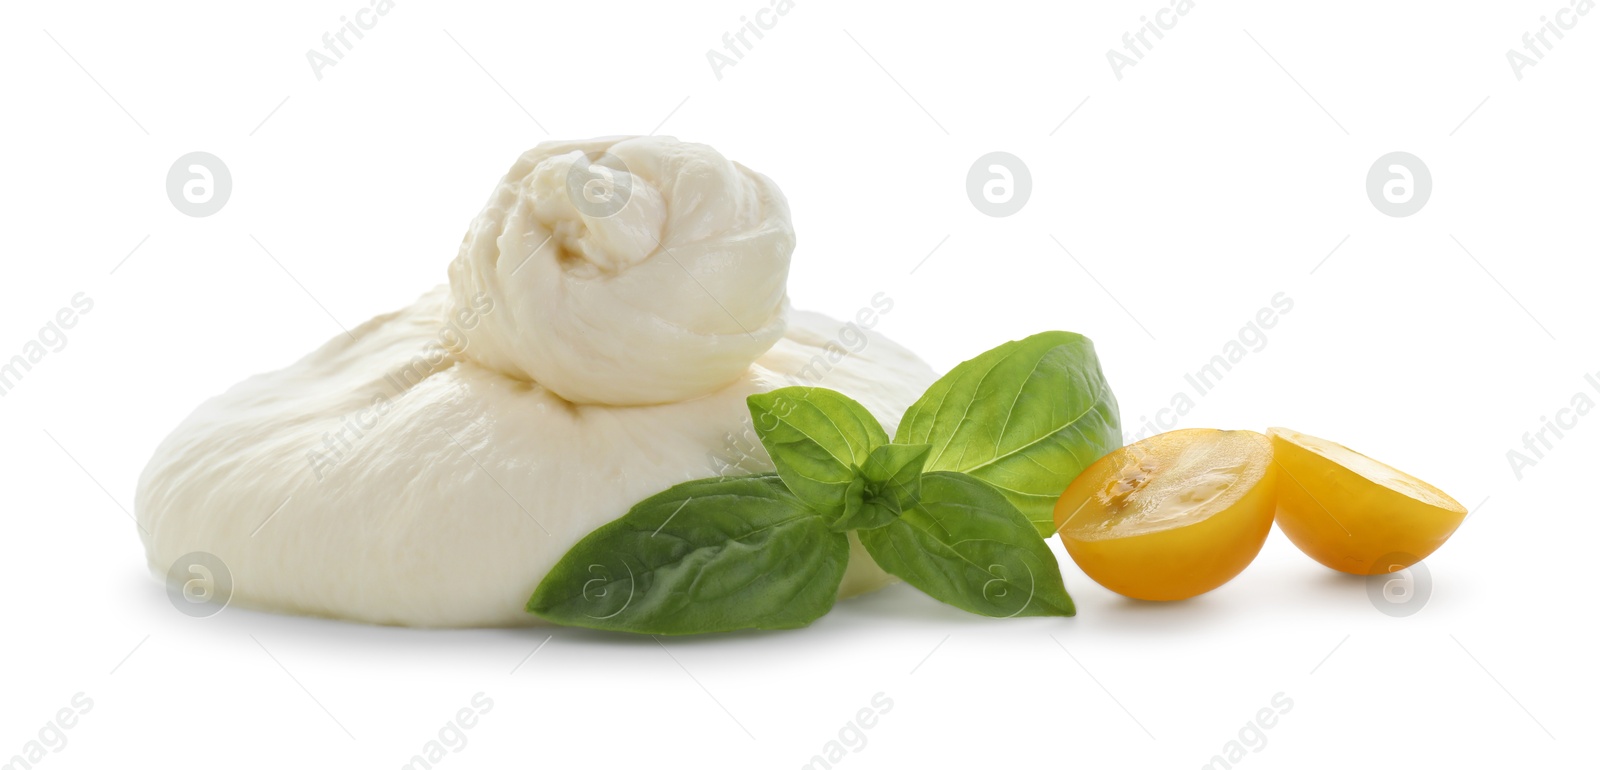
1172 516
1353 513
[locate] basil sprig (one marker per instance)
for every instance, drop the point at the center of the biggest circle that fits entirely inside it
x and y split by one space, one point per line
937 507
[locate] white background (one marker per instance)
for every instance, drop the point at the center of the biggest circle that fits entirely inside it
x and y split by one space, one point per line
1188 193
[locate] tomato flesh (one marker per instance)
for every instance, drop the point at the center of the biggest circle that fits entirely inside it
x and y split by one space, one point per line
1172 516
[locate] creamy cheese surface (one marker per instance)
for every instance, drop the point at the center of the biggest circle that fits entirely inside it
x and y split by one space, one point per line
632 271
593 347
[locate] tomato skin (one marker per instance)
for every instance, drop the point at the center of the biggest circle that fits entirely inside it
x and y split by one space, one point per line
1350 523
1179 562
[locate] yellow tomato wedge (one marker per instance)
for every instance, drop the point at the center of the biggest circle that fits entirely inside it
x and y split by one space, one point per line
1172 516
1353 513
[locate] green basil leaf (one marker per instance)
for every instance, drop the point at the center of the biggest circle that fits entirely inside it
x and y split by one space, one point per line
894 474
966 545
818 440
889 483
712 555
857 512
1027 417
862 512
870 515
